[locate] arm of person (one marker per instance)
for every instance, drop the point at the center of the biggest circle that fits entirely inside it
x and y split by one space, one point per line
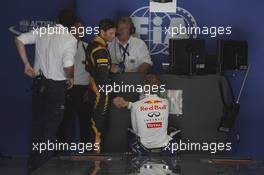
68 61
69 72
101 61
115 56
21 41
114 51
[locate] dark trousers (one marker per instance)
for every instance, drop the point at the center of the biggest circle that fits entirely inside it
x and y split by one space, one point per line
138 148
100 113
48 98
77 102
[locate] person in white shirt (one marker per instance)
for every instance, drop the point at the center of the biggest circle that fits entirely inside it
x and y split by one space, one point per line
53 68
128 53
77 101
149 118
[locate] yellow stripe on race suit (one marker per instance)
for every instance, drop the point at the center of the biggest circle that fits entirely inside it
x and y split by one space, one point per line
95 90
94 50
106 103
97 167
97 135
96 131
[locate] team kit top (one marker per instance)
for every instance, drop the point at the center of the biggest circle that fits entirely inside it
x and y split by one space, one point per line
149 118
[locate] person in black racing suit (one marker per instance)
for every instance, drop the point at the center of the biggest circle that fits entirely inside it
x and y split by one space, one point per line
98 64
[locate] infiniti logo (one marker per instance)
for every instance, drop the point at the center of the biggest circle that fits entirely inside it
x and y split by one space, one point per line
154 114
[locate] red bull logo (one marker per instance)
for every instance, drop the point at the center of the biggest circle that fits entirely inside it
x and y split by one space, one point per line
152 102
153 107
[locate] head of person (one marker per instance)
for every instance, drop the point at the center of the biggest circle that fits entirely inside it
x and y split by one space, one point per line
125 28
79 28
151 84
107 29
67 18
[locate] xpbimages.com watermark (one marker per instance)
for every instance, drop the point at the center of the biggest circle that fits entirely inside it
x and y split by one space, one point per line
59 146
81 148
130 88
212 31
212 147
50 30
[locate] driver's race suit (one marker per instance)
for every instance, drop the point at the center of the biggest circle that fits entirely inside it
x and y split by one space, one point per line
149 118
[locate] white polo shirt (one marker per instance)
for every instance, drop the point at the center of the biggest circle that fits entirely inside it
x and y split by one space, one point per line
137 50
53 50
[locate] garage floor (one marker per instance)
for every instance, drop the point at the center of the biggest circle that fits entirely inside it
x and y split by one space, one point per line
124 164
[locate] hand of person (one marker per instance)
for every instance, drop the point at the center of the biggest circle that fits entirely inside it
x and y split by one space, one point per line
29 71
120 102
70 83
115 68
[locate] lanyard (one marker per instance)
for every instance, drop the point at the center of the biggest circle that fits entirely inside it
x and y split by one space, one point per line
84 49
125 51
123 56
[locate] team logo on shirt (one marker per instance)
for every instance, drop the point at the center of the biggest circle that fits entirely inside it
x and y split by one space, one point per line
152 102
155 120
154 125
154 114
153 107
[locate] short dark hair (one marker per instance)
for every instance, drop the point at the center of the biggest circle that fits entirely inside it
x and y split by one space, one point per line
151 80
106 24
67 17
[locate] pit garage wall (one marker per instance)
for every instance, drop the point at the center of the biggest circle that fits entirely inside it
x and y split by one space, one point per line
245 17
